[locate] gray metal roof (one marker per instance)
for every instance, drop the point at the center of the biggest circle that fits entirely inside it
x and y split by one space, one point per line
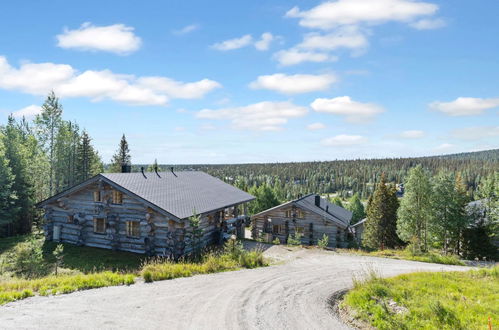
176 195
334 212
183 193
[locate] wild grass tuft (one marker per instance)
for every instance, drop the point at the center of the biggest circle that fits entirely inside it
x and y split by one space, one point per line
430 300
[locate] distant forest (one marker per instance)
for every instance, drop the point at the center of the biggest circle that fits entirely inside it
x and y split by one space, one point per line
346 177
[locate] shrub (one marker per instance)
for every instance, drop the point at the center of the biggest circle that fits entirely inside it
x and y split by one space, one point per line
58 254
26 259
323 242
276 241
295 239
252 259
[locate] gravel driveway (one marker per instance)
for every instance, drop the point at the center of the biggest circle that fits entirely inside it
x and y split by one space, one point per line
290 295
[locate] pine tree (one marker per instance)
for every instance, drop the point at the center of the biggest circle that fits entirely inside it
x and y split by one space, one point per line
153 167
380 226
48 123
357 208
121 157
7 196
17 156
337 201
265 198
416 208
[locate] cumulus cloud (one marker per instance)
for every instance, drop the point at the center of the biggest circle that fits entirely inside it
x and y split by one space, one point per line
444 147
332 14
262 116
247 40
264 42
475 133
429 24
465 106
353 111
117 38
186 29
294 84
295 56
348 37
344 140
412 134
40 78
316 126
28 112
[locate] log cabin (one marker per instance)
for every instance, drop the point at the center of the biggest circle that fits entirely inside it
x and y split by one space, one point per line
311 216
146 212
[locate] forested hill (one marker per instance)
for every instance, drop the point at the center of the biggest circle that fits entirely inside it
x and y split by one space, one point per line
347 176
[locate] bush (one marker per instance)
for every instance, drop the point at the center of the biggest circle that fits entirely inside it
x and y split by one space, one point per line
294 240
26 259
323 242
276 241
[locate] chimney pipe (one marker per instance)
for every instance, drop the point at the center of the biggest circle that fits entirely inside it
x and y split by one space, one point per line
318 200
156 170
126 168
171 169
142 170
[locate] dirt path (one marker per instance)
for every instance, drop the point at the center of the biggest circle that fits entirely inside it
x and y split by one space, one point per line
291 295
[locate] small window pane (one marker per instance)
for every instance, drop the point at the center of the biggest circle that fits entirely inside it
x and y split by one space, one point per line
117 197
133 228
97 196
100 225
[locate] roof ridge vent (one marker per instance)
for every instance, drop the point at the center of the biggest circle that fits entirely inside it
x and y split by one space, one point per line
171 169
156 170
142 171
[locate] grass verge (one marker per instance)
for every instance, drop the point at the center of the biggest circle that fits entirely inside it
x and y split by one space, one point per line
431 257
430 300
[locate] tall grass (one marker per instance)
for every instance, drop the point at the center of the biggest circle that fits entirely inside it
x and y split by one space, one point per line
430 300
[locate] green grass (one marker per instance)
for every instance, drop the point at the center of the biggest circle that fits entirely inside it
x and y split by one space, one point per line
443 300
15 289
212 263
432 257
81 258
87 268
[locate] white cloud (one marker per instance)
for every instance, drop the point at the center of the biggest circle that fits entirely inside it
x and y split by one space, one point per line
353 111
429 24
346 37
294 56
262 116
247 40
186 29
344 140
28 112
294 84
265 41
412 134
40 78
465 106
316 126
117 38
444 147
235 43
332 14
179 89
475 133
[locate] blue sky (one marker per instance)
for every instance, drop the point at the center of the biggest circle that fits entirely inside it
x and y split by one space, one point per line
259 81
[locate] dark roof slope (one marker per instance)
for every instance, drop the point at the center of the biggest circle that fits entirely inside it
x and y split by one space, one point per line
334 212
178 194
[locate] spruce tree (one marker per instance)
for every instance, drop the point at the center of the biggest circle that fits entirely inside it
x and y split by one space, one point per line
8 209
357 208
48 123
121 157
380 226
416 208
337 201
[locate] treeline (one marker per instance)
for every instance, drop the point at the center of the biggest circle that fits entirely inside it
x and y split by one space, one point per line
347 177
434 213
39 159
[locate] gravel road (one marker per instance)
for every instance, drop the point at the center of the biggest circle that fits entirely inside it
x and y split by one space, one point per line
290 295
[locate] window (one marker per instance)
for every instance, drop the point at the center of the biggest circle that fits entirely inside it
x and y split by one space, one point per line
117 197
299 230
210 219
289 213
301 214
275 229
133 228
100 225
71 218
97 197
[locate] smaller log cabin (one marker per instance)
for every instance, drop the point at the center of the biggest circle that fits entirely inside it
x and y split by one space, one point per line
146 212
312 216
